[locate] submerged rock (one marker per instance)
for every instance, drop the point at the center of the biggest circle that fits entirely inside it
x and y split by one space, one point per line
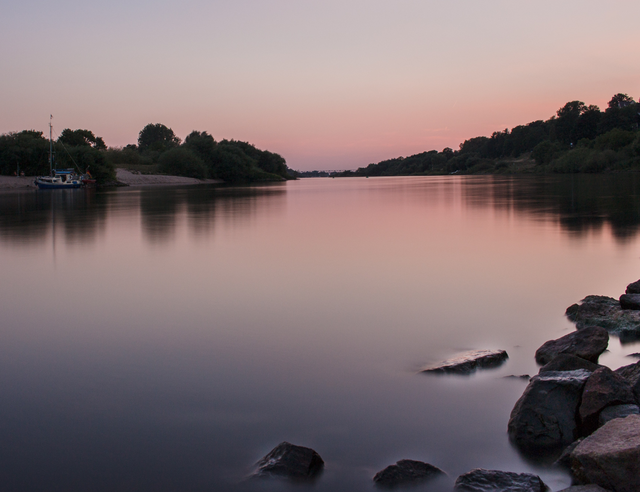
468 362
568 362
407 472
587 344
605 312
543 420
610 457
480 480
604 388
290 461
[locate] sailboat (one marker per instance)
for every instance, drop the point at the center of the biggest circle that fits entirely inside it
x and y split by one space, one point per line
58 178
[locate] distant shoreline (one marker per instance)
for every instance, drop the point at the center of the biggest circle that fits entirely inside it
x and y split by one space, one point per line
25 183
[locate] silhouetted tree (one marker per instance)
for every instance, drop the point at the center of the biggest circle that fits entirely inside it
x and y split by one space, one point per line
157 137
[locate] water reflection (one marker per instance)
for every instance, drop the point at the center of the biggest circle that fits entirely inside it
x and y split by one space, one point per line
580 203
213 323
79 216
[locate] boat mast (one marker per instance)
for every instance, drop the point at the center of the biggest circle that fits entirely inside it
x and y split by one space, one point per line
50 146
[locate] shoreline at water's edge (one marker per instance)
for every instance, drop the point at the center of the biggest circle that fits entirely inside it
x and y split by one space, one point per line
129 178
23 183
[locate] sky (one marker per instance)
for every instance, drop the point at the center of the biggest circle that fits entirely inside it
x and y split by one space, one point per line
327 84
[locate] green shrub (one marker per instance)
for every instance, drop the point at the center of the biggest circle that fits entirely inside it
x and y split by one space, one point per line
546 151
615 139
182 162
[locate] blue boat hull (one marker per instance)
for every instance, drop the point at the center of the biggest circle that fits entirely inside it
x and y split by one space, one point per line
61 186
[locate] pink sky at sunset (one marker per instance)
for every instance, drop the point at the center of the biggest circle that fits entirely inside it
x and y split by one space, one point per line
328 85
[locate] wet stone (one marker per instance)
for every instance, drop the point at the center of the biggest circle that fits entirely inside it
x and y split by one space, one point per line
287 460
407 472
468 362
480 480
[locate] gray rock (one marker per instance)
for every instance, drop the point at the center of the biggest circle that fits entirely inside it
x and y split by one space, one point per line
603 388
290 461
568 362
610 457
587 344
632 374
543 420
480 480
565 457
605 312
617 412
584 488
633 288
468 362
406 472
630 301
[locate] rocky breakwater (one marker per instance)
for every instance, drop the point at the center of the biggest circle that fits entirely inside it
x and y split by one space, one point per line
619 317
583 408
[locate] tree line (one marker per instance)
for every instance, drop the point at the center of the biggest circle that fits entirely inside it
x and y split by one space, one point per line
578 138
158 150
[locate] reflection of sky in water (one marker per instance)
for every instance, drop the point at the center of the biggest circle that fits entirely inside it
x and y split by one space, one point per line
168 338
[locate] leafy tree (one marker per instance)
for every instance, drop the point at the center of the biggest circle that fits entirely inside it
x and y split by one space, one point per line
587 124
27 151
182 162
81 138
545 151
620 101
272 163
157 137
567 118
202 144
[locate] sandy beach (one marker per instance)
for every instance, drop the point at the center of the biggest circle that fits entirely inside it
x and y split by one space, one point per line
17 183
134 179
20 183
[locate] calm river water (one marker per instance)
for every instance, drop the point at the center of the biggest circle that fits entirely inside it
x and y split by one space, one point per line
165 339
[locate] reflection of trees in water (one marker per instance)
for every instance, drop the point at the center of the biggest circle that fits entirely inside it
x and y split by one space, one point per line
30 217
582 203
159 208
79 215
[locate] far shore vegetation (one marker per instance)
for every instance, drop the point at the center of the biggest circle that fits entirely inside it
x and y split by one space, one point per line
158 151
578 139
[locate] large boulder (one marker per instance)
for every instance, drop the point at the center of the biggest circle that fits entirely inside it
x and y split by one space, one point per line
407 472
604 388
290 461
468 362
605 312
568 362
610 457
632 374
480 480
587 344
543 420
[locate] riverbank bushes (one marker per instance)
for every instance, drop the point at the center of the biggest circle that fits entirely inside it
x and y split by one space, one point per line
200 156
28 152
579 138
158 150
